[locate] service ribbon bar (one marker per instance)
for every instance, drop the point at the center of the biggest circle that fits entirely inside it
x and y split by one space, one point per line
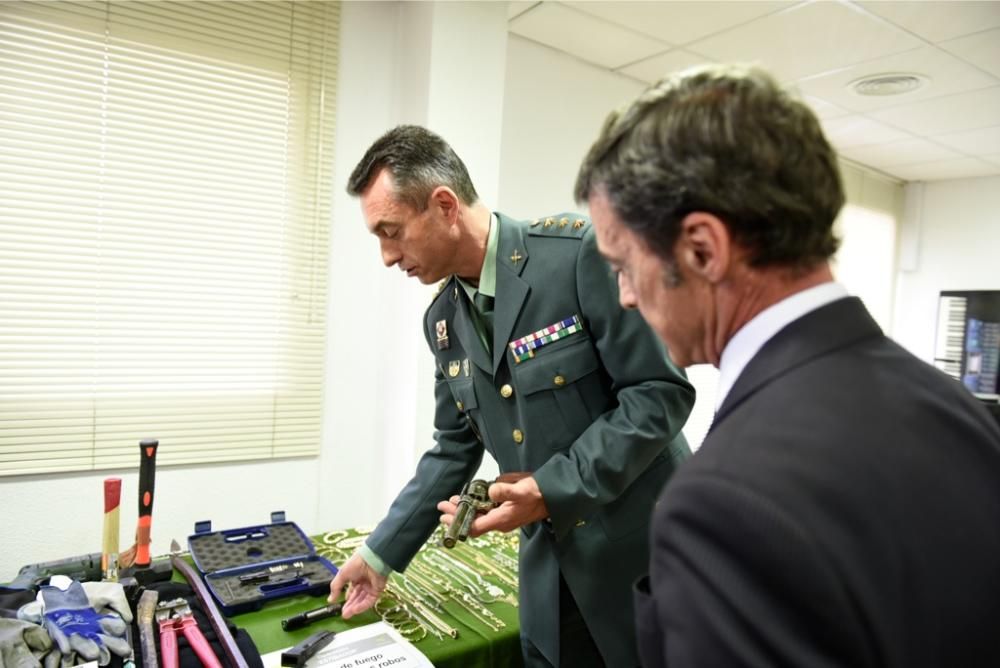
525 347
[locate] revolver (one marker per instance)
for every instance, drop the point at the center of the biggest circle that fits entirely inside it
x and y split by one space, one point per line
475 499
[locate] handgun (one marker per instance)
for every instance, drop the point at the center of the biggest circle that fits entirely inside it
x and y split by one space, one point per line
474 499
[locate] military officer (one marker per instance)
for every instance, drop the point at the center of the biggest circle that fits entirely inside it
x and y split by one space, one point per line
538 365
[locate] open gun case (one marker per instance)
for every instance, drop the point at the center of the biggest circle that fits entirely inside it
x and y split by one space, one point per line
246 567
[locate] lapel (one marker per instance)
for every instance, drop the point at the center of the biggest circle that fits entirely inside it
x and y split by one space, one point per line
836 325
511 289
465 329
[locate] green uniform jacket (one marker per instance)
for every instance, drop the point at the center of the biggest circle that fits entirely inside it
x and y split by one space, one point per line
595 416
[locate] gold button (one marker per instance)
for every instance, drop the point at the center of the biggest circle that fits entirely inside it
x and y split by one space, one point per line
559 381
518 436
506 391
581 523
460 405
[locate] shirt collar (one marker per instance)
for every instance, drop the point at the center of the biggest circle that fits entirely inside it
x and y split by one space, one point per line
763 326
488 274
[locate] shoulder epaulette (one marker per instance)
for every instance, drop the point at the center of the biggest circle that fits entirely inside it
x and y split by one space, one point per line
561 225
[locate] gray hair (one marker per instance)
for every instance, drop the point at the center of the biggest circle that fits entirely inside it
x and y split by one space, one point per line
725 140
419 161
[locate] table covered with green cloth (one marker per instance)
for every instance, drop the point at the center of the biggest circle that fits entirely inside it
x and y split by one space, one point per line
470 589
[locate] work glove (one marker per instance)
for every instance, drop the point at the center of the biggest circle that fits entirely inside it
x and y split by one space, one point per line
76 627
104 597
108 597
22 643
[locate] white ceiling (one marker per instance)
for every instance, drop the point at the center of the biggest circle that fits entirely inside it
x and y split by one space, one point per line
948 129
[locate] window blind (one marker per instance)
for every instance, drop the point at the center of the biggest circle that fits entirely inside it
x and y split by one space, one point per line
165 170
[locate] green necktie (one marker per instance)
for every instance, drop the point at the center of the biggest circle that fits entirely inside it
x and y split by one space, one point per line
484 307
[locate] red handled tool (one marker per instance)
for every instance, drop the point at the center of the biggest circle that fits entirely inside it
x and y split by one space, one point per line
109 550
175 614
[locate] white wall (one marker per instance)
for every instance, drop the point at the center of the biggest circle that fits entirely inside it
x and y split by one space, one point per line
552 111
54 516
868 228
951 239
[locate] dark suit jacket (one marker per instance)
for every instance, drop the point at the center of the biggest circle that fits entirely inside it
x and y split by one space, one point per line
598 413
844 510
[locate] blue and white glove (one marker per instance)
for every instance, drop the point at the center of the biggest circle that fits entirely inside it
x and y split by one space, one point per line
76 627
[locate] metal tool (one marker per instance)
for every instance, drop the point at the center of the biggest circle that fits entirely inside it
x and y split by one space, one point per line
297 656
211 609
306 618
257 577
176 614
83 568
145 612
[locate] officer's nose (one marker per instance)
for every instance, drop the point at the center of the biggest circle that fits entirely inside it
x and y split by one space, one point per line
390 254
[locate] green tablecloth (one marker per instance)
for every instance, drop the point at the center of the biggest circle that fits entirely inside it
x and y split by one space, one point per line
476 645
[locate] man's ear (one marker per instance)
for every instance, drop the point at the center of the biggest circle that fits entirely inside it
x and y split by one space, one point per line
705 246
446 202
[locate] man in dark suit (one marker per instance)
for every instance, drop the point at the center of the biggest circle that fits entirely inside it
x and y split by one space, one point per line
844 509
537 364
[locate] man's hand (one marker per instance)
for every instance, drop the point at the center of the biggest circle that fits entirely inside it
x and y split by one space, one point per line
520 502
365 586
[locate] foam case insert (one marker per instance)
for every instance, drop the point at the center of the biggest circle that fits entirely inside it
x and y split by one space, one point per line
246 567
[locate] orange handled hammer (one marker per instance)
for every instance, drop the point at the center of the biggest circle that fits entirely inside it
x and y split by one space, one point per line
147 479
138 554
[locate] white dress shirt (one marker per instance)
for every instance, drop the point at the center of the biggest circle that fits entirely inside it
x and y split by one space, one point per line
759 330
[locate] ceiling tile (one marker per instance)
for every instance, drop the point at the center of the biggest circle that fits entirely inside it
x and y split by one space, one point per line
984 141
981 49
938 21
823 108
808 39
959 168
901 152
952 113
857 130
946 75
652 69
679 22
584 36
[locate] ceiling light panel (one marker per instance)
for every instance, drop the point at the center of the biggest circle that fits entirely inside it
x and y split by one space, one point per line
679 22
938 21
943 74
790 45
